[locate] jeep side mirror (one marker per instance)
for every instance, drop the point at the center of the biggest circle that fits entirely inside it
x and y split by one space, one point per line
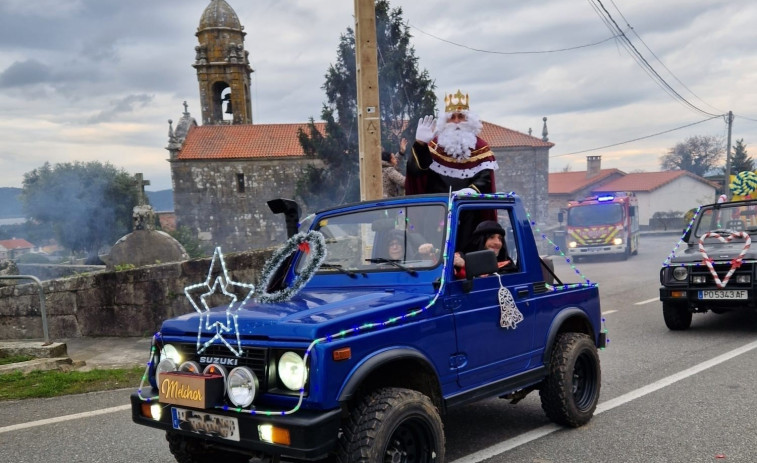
478 263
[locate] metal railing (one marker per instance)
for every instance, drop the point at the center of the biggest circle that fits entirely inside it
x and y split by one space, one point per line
42 308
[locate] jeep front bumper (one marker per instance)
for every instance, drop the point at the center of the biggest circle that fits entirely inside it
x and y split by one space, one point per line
311 434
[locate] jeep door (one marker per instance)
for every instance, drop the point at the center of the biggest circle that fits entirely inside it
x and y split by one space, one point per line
487 351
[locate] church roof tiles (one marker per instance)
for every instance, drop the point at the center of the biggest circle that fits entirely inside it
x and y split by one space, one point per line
280 140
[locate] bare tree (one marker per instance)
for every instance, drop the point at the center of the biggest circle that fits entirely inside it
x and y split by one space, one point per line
698 155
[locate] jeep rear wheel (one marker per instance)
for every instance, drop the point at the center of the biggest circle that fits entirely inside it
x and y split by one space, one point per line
677 316
191 450
392 425
570 393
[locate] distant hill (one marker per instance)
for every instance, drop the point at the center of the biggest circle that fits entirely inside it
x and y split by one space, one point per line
10 206
161 201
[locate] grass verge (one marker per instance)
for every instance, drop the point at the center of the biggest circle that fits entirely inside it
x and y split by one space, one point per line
14 359
54 383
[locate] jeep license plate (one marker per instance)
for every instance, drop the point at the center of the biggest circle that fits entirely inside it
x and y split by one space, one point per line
723 294
205 423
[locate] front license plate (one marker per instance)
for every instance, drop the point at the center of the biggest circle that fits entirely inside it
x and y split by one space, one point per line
206 424
723 294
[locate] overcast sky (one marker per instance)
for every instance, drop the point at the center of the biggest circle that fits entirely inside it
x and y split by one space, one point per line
85 80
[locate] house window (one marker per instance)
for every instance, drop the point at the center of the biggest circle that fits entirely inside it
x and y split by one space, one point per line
240 183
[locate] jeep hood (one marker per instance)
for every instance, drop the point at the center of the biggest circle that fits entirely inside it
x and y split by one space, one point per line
717 251
308 315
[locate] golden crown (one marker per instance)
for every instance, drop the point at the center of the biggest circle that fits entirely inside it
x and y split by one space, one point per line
456 102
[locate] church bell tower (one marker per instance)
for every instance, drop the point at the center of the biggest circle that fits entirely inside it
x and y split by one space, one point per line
223 67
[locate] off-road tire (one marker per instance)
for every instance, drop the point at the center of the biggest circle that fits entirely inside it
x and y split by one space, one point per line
191 450
392 424
570 393
677 316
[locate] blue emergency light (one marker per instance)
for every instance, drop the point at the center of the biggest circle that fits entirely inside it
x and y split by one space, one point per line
605 198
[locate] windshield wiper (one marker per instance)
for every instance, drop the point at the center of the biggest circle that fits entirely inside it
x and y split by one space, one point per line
340 268
396 263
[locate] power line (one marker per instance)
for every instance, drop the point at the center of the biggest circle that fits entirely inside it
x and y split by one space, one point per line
639 58
629 27
511 52
637 139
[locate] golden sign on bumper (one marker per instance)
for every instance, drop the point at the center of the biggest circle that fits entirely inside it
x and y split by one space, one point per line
190 389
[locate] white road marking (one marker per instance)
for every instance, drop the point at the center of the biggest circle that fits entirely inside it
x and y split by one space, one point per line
647 301
59 419
604 406
609 312
495 449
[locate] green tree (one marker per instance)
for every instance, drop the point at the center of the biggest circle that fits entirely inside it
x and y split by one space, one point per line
741 161
405 94
88 205
698 155
190 242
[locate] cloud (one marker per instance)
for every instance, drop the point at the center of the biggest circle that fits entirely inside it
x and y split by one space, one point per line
124 105
24 73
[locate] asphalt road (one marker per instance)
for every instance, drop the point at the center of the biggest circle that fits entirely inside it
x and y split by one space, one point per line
666 396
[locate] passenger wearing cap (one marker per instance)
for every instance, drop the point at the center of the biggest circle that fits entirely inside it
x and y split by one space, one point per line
489 234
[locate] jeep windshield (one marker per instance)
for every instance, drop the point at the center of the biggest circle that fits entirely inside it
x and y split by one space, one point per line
726 218
388 239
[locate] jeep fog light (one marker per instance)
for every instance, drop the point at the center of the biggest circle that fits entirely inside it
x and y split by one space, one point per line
166 365
743 278
273 435
680 273
698 279
292 371
156 410
152 410
190 367
617 241
214 369
242 386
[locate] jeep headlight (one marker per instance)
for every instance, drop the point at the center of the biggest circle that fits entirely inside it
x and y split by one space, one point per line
680 273
171 352
292 371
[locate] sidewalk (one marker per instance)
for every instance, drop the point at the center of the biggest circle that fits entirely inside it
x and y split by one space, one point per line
78 353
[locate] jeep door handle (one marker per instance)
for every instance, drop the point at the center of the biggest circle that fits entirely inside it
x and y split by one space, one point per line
521 292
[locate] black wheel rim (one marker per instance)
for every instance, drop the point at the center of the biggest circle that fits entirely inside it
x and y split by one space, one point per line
410 442
584 381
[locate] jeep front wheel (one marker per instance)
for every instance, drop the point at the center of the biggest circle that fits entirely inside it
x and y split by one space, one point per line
392 425
570 393
677 316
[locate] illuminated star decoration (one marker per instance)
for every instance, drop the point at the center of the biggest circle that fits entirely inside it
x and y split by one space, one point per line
222 283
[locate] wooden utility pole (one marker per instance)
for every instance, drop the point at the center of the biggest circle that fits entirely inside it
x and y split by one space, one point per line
368 117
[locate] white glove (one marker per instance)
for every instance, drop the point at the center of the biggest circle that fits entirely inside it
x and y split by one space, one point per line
466 192
426 129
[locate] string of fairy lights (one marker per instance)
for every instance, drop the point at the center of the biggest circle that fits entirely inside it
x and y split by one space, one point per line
392 321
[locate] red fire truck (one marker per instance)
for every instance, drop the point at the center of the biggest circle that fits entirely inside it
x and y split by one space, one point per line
603 224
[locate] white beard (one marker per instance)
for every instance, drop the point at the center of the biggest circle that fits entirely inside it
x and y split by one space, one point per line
458 140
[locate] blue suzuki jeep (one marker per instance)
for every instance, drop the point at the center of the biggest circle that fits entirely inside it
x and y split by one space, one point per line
359 338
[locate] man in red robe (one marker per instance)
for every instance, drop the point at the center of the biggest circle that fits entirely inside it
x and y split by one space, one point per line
448 155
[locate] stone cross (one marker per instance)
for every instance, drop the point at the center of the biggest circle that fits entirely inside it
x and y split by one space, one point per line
140 183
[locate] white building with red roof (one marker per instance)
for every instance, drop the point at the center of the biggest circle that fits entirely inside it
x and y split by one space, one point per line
666 191
12 248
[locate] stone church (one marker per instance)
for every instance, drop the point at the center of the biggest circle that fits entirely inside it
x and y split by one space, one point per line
224 171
